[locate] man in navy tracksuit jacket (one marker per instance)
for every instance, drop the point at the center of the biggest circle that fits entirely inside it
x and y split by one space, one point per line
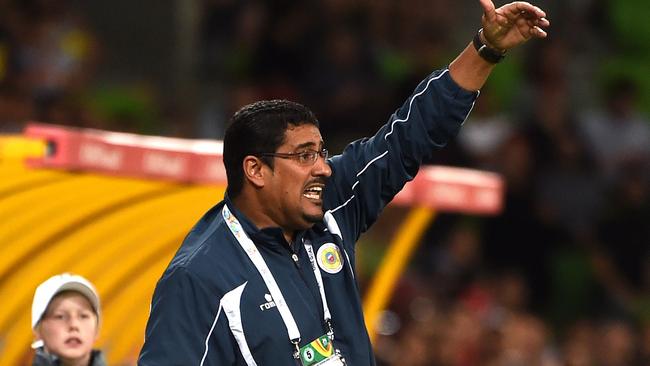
270 269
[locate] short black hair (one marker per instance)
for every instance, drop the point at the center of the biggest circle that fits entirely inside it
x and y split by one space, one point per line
259 128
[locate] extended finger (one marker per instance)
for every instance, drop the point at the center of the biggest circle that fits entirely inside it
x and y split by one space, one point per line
522 8
541 22
488 10
537 32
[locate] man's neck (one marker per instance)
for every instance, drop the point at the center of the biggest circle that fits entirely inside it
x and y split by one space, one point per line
254 213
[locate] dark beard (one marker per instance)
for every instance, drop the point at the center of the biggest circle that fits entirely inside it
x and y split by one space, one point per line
314 219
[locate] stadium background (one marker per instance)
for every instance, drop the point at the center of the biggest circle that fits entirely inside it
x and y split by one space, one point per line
560 276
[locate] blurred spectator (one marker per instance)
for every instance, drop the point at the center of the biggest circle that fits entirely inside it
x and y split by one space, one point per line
485 132
578 347
47 60
517 239
619 133
15 109
341 83
616 345
454 264
561 161
525 342
231 31
56 56
645 343
621 251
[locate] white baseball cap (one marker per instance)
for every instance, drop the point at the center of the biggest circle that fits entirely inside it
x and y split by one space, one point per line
46 291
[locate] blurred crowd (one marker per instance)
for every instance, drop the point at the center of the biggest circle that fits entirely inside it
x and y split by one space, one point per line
560 277
47 55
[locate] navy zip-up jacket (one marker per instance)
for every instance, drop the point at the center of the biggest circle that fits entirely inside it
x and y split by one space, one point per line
212 307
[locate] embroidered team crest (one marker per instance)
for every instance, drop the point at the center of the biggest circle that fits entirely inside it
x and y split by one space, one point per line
329 258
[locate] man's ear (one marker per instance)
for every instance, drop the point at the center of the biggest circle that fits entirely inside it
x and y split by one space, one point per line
253 171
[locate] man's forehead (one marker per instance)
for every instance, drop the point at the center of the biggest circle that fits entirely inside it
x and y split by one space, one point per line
306 135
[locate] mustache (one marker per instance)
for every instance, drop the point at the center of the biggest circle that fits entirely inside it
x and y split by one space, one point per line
319 180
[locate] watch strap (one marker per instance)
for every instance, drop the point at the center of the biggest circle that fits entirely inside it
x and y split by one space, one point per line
487 53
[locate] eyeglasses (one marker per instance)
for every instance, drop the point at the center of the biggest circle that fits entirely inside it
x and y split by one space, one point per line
306 157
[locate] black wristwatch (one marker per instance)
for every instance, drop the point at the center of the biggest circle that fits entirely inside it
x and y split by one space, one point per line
488 54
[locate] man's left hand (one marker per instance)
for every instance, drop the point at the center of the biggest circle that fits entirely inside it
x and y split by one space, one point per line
512 24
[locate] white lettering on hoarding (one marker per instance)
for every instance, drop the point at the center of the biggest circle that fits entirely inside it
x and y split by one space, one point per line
100 156
163 164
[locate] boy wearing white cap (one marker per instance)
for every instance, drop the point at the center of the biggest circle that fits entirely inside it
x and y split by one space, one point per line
65 321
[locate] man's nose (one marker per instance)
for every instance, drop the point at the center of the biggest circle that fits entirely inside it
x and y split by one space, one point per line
321 168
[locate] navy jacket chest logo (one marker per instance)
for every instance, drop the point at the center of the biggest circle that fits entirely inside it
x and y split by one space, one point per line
269 304
329 258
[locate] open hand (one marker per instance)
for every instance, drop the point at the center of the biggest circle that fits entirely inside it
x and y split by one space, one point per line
512 24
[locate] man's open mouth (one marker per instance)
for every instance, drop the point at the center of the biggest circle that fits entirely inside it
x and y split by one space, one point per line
314 192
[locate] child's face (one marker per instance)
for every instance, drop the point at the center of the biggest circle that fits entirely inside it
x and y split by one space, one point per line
69 327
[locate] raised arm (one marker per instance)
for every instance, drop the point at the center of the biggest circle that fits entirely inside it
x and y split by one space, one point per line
503 28
371 171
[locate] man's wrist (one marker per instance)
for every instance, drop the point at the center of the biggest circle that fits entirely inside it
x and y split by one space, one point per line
486 50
